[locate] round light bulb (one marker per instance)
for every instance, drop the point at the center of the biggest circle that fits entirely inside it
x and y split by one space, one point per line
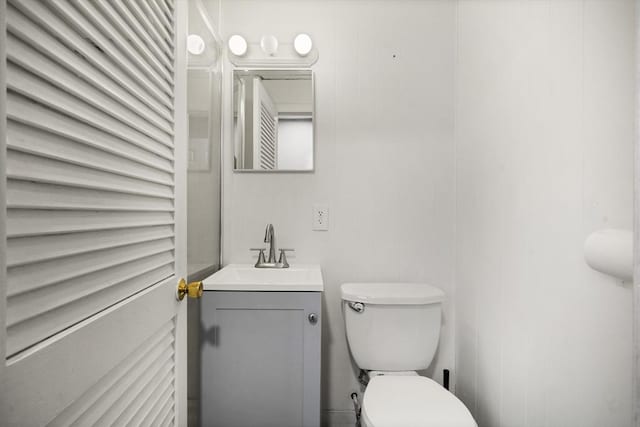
195 44
269 45
302 44
237 45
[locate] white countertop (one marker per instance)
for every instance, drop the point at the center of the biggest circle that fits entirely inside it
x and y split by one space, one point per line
245 277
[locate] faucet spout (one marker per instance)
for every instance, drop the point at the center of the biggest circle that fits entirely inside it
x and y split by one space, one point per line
269 237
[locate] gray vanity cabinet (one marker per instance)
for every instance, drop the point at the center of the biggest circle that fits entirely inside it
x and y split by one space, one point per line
260 359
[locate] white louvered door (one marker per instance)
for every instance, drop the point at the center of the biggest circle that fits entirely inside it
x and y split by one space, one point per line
92 212
265 128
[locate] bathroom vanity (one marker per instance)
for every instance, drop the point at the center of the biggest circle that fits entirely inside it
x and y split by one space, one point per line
260 347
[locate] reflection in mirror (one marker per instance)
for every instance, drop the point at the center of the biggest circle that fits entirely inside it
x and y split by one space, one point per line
203 168
273 120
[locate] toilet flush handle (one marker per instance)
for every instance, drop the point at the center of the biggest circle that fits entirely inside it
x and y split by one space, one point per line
358 307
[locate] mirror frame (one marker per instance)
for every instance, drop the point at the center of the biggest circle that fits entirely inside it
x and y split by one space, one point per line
313 115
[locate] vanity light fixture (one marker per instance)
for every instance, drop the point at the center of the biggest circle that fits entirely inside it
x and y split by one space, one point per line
269 45
303 44
269 52
195 44
237 45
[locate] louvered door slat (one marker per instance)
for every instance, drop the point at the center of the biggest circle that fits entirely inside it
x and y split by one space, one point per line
31 60
23 166
163 5
145 22
267 153
162 399
96 401
83 26
29 277
142 49
44 325
33 141
27 250
133 23
150 13
38 117
265 120
46 19
29 85
136 406
160 14
25 222
165 417
156 391
31 305
30 195
26 30
24 315
95 16
110 418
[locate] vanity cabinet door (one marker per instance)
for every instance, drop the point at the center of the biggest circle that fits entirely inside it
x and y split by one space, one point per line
260 359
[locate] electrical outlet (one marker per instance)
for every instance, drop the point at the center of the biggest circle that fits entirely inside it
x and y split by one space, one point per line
320 218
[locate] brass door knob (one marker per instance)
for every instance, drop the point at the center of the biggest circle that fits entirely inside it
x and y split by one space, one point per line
193 289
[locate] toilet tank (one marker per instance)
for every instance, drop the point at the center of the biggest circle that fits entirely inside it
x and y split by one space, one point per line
392 326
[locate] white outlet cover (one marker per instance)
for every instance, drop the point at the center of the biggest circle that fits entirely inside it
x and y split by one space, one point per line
320 215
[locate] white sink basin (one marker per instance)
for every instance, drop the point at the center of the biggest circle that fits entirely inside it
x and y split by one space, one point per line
245 277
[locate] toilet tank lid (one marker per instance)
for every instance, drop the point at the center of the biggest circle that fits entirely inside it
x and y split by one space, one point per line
392 293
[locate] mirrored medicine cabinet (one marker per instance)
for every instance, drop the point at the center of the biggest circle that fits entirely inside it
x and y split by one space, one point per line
273 120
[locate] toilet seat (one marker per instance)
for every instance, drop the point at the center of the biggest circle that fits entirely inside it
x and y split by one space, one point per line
412 401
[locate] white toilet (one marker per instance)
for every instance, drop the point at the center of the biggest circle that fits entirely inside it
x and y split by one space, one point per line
392 331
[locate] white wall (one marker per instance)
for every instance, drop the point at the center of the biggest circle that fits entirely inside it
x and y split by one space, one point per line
384 162
295 144
544 149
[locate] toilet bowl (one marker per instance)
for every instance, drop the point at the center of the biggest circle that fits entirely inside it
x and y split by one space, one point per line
412 401
393 330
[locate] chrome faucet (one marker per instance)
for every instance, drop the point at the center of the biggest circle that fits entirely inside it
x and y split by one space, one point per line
270 238
270 262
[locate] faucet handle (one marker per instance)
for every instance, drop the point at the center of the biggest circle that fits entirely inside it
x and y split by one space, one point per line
283 257
261 259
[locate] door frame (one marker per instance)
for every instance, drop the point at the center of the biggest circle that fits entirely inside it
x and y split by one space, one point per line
636 238
180 191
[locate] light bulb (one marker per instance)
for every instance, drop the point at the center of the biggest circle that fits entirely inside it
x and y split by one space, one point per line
302 44
237 45
195 44
269 45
